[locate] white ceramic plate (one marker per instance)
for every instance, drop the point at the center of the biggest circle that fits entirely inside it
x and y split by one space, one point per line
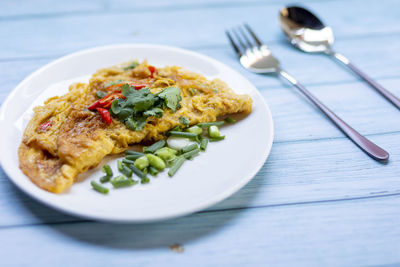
222 170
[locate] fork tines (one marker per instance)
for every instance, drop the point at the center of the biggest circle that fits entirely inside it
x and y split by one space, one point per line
241 40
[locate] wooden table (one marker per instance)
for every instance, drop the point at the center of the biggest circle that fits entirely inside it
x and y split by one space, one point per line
317 201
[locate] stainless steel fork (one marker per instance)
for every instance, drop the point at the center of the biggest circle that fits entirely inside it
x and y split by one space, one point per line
256 57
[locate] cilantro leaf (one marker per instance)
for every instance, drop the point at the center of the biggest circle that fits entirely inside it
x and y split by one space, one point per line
185 121
126 90
138 105
140 100
171 96
135 123
156 112
140 122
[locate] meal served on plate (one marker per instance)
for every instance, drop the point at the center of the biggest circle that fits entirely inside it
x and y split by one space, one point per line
122 105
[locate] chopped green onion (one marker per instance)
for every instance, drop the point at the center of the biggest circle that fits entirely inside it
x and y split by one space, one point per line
203 144
107 170
213 131
183 134
145 180
156 162
166 153
138 172
216 139
132 152
124 169
127 161
133 157
177 128
191 153
122 181
229 120
195 130
98 187
153 171
100 94
177 164
127 171
120 166
105 179
208 124
189 148
154 147
141 163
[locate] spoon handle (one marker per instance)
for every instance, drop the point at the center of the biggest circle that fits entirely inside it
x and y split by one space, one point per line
367 146
389 96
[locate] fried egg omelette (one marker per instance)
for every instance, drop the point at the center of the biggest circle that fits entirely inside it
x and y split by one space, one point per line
64 138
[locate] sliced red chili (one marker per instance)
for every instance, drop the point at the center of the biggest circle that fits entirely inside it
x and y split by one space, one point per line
45 126
152 70
136 85
106 101
94 105
105 114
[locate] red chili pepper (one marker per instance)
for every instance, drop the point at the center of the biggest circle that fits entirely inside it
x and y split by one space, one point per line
106 101
105 114
136 85
152 70
45 126
94 105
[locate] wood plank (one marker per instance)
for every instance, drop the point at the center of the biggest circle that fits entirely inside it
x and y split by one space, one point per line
13 9
59 35
350 233
295 172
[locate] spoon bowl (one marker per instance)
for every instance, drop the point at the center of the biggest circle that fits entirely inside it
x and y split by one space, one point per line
307 32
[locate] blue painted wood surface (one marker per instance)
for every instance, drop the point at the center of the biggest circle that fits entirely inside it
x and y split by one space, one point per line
317 201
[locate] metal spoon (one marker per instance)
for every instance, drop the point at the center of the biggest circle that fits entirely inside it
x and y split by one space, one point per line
306 32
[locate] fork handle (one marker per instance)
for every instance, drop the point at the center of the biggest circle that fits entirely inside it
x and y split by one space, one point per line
366 145
388 95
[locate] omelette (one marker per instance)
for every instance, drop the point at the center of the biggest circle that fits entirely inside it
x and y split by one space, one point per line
72 133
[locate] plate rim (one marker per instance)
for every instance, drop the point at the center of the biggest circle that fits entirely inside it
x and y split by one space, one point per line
218 198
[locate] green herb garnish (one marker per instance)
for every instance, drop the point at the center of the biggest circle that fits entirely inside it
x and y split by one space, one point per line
131 65
138 105
172 97
185 121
